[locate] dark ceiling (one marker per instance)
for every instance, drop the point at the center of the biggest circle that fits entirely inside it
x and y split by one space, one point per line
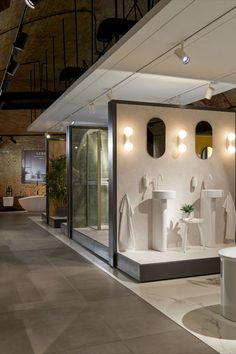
64 39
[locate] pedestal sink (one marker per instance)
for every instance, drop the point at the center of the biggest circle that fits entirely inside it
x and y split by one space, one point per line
208 214
160 218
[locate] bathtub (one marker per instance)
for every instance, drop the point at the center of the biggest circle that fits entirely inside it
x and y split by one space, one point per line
33 203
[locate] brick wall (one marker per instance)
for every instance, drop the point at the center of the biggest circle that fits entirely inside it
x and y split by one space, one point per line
10 162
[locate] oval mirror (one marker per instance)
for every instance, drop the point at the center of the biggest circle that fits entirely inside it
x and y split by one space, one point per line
156 137
203 140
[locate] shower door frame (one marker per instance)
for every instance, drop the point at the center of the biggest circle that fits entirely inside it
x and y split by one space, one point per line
94 246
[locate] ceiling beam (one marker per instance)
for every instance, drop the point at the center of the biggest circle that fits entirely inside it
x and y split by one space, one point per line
27 100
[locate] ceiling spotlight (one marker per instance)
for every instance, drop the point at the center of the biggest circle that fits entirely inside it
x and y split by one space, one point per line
209 92
12 67
109 94
91 108
48 136
20 41
182 55
72 123
32 3
12 140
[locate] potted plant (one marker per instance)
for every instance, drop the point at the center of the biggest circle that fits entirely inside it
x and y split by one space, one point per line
56 184
187 209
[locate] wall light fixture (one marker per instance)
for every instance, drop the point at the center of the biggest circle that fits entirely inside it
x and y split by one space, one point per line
230 143
181 136
128 145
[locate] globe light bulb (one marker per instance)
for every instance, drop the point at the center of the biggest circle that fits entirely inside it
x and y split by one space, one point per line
128 132
182 134
182 147
128 146
231 149
231 136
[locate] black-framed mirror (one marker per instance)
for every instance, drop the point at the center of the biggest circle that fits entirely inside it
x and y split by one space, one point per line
156 137
203 140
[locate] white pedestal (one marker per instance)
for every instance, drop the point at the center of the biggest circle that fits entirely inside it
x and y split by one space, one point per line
208 214
160 218
228 284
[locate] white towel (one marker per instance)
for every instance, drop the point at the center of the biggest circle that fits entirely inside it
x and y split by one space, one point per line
126 232
230 217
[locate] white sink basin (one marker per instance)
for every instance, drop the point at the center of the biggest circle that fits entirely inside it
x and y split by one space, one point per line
212 193
163 194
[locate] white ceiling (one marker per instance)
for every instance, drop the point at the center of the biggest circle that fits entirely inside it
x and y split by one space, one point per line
142 66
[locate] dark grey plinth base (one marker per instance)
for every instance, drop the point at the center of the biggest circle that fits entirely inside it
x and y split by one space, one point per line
54 221
92 245
167 270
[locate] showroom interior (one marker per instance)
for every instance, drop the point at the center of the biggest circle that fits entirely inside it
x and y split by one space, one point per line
138 104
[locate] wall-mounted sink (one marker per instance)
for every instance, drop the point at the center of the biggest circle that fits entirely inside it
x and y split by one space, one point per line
163 194
160 218
208 214
212 193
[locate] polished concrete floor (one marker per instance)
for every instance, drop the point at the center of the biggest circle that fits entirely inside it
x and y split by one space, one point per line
53 301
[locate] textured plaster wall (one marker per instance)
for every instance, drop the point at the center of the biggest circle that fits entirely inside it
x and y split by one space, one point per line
10 162
177 169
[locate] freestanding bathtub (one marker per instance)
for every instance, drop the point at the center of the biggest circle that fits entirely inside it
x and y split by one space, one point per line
33 203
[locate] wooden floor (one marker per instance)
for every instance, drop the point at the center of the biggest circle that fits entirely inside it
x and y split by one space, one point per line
53 301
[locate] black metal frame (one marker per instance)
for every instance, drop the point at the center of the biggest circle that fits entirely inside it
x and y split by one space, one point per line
47 142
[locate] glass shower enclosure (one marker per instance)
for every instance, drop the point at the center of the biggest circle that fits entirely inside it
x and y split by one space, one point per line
89 177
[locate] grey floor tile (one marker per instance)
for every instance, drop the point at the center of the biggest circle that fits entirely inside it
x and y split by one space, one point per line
108 348
173 342
70 336
15 342
141 325
13 336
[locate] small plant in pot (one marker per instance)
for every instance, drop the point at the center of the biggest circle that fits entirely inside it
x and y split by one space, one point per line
186 209
56 184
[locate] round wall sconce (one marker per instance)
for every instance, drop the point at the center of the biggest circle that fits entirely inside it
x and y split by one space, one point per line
181 136
128 145
230 143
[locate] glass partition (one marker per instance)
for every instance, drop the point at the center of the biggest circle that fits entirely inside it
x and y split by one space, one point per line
90 182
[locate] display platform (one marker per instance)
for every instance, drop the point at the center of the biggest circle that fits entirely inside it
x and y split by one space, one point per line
150 265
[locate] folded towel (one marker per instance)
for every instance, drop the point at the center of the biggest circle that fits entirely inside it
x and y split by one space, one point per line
230 217
126 232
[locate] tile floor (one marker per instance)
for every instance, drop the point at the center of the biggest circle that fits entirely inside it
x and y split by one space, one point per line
54 301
